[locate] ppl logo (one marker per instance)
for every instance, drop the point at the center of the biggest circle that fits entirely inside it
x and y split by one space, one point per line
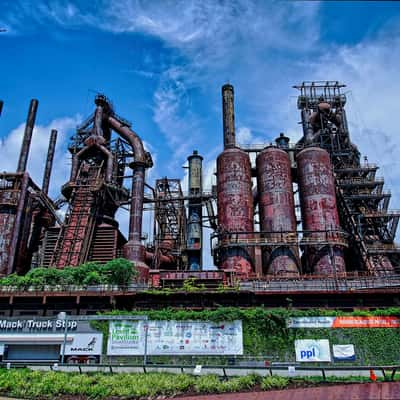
312 350
309 353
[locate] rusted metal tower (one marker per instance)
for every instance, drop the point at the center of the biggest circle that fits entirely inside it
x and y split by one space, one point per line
362 202
96 190
25 209
234 194
169 226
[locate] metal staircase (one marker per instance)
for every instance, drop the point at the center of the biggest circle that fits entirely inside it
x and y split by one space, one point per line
76 234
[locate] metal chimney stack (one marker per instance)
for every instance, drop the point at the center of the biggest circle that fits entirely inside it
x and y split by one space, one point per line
49 161
26 143
194 227
228 115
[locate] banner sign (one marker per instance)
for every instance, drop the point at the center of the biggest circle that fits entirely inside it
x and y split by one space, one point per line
308 350
84 344
343 352
344 322
310 322
175 338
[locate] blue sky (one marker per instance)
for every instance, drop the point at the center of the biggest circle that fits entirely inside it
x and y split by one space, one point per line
163 62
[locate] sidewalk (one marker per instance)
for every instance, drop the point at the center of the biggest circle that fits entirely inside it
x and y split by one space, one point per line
365 391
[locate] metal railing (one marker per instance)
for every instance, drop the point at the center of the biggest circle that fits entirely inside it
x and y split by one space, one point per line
388 372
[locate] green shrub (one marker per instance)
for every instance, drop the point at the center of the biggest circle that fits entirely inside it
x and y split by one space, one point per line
274 382
115 272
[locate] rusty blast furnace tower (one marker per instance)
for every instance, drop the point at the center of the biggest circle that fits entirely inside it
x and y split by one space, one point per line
96 190
363 205
345 226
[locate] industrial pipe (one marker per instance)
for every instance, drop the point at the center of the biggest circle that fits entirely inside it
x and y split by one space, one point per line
49 161
134 250
98 120
1 106
228 116
26 143
17 225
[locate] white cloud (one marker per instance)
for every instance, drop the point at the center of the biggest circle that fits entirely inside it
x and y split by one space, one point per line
10 147
370 71
212 41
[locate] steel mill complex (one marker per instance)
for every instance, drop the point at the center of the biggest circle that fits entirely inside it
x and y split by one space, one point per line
303 224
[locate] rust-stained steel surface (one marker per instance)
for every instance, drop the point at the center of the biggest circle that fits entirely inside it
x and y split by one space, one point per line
228 116
134 249
318 207
23 211
95 191
235 205
14 199
49 161
276 205
26 143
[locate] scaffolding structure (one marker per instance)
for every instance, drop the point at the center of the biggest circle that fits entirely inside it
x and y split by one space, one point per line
169 230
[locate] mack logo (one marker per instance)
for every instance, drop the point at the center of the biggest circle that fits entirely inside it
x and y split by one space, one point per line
89 346
4 324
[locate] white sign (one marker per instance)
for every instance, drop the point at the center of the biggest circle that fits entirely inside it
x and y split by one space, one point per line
310 322
344 352
197 370
308 350
84 344
175 338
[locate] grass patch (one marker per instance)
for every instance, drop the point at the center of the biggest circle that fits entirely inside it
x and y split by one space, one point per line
28 384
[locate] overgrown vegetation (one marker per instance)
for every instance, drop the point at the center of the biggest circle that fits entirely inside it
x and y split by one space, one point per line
52 385
115 272
265 333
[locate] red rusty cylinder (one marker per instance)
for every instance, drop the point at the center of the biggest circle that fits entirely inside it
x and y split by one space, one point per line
276 205
319 209
235 206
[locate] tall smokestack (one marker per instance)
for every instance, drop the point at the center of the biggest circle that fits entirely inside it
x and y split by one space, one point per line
1 106
195 212
26 143
228 115
49 161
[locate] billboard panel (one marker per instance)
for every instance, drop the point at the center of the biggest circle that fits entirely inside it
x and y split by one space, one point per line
344 322
85 344
175 338
343 352
308 350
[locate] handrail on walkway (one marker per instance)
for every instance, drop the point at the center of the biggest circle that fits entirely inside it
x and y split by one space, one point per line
388 371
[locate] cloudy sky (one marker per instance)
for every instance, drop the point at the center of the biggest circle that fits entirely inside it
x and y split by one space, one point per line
163 62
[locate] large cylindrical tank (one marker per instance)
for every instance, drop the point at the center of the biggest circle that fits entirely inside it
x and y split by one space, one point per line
235 206
319 210
276 205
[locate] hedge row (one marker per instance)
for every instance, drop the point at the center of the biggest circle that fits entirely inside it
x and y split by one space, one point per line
54 385
115 272
265 333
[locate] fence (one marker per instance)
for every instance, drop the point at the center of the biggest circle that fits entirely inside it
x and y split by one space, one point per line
388 372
